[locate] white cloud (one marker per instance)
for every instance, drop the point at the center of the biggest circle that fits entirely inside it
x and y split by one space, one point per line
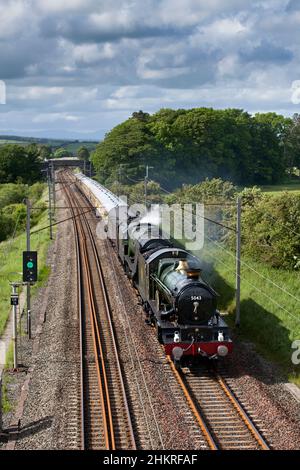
228 66
61 5
146 72
54 117
69 64
14 17
224 28
116 18
192 12
90 53
38 93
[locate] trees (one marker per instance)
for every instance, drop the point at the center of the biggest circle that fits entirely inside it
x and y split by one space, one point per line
8 218
271 228
61 153
214 190
83 154
18 163
187 146
45 152
291 144
130 144
13 209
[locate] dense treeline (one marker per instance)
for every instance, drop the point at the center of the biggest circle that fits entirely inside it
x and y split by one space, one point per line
20 164
186 146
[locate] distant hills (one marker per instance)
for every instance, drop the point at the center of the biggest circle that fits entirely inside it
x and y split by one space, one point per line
69 144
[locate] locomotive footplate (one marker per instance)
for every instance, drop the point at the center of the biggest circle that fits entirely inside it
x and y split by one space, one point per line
189 332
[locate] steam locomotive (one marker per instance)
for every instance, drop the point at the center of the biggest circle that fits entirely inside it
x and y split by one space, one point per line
181 305
176 299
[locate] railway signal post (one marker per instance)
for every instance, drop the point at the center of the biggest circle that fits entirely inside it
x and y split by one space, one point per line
29 276
28 283
238 262
50 205
53 186
14 301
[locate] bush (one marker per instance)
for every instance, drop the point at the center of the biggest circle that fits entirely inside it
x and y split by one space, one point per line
12 217
271 228
19 164
13 208
35 191
210 190
12 194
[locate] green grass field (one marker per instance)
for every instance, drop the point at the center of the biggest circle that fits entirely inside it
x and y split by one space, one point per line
73 147
293 187
19 142
11 264
263 320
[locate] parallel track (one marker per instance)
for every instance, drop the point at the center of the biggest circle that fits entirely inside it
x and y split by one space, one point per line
222 418
105 416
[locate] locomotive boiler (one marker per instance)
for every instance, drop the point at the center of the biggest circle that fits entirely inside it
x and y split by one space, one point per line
177 300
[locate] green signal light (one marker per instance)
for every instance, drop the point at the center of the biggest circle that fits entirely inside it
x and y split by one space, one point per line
30 264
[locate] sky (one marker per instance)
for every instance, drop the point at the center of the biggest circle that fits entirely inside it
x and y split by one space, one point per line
76 68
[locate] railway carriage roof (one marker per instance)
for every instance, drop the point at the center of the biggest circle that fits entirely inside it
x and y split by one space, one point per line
105 197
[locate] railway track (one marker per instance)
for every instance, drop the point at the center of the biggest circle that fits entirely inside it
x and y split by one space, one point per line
105 415
155 438
222 418
217 417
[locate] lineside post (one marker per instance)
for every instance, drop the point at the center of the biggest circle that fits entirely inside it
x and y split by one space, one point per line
50 206
53 186
238 262
28 283
14 301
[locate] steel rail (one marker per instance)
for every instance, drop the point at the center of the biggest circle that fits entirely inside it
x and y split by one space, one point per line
136 360
130 346
112 333
209 424
80 317
252 428
107 407
83 251
209 438
202 421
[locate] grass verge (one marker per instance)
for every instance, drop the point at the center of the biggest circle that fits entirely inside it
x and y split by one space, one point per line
11 263
263 320
293 187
